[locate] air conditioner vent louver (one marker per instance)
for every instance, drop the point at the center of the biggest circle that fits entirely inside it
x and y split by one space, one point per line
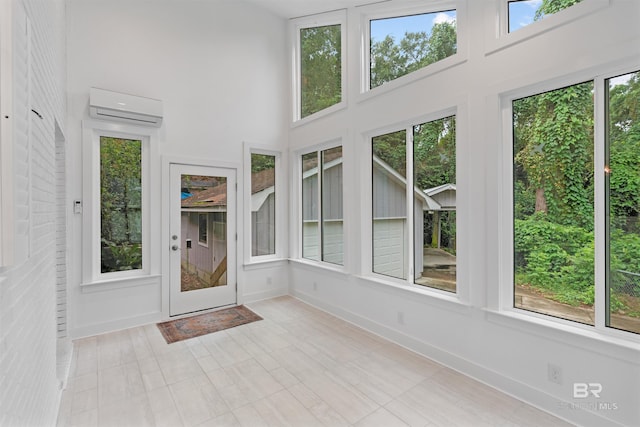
108 105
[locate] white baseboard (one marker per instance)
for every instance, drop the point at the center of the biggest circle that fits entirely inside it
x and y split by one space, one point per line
262 295
516 389
115 325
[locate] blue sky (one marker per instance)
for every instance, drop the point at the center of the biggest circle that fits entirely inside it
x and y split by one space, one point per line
397 27
521 13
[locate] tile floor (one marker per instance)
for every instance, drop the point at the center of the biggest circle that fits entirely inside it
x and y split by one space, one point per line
297 367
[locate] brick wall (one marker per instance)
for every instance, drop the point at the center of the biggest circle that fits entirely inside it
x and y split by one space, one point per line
30 391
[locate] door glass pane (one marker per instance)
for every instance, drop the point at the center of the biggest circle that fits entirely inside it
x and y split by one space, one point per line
623 203
434 167
203 235
120 204
390 232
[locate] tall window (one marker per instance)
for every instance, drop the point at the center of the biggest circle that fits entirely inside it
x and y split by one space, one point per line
321 61
434 169
414 214
322 206
403 44
120 204
263 204
553 192
525 12
622 197
555 185
389 186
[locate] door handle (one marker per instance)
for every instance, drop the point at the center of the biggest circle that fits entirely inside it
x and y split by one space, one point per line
174 248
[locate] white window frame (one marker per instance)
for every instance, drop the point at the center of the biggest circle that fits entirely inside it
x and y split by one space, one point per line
297 158
462 296
382 11
498 37
504 299
338 17
92 131
280 208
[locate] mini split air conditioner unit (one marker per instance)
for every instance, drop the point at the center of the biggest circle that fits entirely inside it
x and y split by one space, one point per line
108 105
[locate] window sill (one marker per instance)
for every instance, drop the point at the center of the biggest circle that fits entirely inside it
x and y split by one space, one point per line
318 265
120 283
430 70
258 263
320 114
581 336
429 295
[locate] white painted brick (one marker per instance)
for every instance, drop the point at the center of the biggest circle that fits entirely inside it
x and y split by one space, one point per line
29 297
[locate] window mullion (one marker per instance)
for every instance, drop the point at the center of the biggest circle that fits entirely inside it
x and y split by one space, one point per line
410 207
320 213
600 205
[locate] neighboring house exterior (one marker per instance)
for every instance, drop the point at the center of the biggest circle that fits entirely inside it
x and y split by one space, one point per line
204 224
332 215
263 210
445 196
390 228
204 230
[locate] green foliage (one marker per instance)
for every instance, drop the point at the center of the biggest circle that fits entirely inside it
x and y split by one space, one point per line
120 203
391 148
624 154
434 153
416 50
260 162
554 257
554 152
321 68
549 7
120 257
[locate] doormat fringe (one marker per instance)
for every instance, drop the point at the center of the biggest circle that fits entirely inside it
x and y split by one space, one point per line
202 324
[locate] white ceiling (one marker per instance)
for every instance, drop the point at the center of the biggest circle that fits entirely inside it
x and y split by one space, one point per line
297 8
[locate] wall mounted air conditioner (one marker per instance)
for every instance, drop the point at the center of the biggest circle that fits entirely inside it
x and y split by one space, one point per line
121 107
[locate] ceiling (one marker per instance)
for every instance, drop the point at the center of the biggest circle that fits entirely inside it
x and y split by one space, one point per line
297 8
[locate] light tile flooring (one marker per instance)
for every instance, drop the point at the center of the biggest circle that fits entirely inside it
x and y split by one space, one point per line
297 367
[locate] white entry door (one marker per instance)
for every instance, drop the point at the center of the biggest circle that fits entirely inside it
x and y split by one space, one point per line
203 238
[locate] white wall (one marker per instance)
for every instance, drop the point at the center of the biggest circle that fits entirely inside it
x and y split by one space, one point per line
504 351
220 69
30 391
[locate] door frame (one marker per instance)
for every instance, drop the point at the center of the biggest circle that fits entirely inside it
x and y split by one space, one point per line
167 161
